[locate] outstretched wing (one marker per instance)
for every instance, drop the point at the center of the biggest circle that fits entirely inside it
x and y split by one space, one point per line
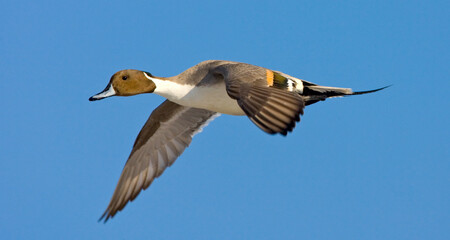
272 109
165 135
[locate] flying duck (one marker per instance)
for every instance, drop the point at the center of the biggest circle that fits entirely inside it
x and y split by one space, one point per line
272 100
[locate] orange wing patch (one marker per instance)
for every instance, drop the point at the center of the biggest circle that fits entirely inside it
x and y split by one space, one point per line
269 77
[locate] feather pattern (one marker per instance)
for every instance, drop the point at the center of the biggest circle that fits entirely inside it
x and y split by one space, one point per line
272 109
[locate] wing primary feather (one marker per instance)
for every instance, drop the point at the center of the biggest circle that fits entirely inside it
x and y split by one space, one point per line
270 117
268 110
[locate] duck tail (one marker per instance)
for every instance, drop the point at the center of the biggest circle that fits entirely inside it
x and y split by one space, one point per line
314 93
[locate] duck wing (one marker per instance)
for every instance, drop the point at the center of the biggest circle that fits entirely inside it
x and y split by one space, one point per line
165 135
272 109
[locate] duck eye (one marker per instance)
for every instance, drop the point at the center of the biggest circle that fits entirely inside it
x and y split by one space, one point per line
124 77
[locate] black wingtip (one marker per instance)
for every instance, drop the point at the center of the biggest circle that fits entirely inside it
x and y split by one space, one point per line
102 218
370 91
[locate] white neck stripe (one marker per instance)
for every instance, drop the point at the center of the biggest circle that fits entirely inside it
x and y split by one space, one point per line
170 90
147 76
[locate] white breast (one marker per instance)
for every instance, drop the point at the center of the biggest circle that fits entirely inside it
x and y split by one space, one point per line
213 98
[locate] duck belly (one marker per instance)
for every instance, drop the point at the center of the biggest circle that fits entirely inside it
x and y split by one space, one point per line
213 98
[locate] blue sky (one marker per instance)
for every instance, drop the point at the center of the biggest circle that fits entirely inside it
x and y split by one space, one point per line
363 167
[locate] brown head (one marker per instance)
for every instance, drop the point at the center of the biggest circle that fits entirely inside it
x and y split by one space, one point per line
127 83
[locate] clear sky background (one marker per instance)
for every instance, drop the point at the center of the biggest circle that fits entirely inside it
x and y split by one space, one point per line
363 167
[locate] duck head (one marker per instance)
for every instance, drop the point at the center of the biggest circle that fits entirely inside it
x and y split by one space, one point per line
127 83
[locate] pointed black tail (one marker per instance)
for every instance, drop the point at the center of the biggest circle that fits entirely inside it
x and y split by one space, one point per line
314 93
370 91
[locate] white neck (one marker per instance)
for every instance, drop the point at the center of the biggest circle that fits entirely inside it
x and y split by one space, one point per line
170 90
213 98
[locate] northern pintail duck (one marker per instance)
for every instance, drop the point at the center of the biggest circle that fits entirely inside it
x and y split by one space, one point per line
272 100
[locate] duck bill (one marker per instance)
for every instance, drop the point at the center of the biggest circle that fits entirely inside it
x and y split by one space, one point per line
108 92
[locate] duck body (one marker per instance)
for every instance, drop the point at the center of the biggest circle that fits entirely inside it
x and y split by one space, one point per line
202 86
272 100
208 93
